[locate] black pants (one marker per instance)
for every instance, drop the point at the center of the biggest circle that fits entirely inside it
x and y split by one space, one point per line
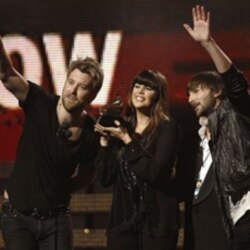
134 241
209 233
23 232
241 238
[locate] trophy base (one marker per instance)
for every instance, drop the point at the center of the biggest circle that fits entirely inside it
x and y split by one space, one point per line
109 121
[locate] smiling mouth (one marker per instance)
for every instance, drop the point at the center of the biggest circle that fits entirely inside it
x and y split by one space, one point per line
71 98
139 98
196 106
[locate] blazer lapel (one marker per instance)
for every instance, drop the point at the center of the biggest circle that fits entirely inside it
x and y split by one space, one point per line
206 187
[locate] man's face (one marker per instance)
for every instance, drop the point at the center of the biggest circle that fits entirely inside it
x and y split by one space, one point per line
77 91
203 100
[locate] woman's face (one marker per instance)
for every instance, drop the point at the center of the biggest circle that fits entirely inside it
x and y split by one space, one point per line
143 96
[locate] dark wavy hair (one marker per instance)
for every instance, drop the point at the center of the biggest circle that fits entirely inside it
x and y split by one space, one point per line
159 109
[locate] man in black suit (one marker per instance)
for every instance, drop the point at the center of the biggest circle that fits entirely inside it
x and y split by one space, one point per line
220 200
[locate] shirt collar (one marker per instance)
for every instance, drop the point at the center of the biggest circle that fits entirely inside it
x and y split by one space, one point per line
203 121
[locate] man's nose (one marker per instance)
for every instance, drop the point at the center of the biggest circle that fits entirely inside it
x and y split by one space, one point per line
190 98
73 88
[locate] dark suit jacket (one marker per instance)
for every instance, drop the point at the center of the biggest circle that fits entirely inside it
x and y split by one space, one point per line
203 224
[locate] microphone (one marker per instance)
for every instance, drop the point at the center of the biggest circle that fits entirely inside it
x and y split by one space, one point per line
63 130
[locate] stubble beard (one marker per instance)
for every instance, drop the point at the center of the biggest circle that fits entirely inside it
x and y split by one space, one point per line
207 109
73 109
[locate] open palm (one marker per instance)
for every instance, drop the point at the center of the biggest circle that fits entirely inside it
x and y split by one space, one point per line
201 24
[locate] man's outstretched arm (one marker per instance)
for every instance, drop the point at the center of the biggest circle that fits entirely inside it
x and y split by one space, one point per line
201 33
235 83
11 79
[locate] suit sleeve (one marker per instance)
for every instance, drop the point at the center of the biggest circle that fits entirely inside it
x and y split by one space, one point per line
236 86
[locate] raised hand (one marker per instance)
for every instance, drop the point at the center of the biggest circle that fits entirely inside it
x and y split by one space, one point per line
2 72
201 24
11 79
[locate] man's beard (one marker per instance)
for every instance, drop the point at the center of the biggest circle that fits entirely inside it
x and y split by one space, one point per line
72 109
209 106
208 110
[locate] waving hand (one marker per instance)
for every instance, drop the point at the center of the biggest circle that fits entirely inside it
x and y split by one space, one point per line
201 24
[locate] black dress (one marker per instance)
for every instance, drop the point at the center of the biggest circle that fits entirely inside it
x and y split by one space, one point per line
144 213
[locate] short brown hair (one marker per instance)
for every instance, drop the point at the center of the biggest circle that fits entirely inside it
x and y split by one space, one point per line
208 79
89 66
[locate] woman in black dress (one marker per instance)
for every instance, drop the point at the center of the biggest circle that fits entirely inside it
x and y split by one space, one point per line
140 166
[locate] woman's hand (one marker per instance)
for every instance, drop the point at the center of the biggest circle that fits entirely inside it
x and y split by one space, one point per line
118 132
104 135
